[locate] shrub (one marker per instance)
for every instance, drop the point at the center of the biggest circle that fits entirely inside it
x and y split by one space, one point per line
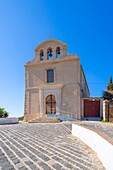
3 113
107 95
21 118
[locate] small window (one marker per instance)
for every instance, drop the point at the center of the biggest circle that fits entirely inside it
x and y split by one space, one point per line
58 52
41 55
49 54
50 76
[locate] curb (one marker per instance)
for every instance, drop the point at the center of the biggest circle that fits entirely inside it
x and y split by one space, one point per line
102 147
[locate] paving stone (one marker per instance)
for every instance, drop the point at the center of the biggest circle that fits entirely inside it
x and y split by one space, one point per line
63 168
44 166
20 154
3 160
82 166
23 168
24 159
44 146
19 165
57 166
15 161
6 166
29 163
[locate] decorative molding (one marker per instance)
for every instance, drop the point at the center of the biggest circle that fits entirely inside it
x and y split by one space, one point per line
54 61
49 86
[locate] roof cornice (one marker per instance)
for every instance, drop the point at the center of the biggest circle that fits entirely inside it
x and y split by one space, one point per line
40 63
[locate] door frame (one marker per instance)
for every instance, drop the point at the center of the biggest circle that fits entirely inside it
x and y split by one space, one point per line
44 92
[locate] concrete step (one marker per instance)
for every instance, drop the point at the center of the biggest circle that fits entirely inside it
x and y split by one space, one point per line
92 118
45 119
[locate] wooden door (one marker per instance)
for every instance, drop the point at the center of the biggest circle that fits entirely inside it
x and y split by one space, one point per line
91 108
50 104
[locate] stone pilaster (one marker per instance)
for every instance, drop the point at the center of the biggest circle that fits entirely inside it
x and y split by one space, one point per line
54 53
62 52
25 98
106 110
41 102
45 54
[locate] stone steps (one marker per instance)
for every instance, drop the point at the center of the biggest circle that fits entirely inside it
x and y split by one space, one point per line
45 119
92 118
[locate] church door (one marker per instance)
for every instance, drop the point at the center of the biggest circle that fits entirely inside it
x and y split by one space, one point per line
50 104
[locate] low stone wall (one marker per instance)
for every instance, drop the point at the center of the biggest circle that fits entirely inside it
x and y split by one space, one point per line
103 148
9 120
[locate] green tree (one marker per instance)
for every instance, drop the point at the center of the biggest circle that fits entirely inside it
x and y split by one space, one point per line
21 118
107 95
110 80
3 113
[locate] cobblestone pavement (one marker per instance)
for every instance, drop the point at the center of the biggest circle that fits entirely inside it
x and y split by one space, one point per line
105 129
44 147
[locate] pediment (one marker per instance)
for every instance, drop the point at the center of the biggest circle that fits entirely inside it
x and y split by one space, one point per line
49 42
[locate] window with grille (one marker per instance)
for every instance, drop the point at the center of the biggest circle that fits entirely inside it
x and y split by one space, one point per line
50 76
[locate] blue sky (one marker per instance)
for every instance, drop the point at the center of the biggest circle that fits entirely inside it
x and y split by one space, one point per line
86 26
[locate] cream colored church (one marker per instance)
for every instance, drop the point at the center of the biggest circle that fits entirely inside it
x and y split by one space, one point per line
55 82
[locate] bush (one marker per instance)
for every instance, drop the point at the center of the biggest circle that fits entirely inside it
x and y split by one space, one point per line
107 95
21 118
3 113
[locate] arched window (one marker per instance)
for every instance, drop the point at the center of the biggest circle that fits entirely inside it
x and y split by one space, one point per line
49 54
58 52
41 55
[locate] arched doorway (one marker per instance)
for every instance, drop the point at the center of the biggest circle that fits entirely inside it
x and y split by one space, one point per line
50 104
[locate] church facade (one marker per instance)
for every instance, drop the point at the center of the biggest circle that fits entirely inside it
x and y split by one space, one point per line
55 82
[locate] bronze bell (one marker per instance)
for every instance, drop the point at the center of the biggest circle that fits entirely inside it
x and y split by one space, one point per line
58 52
41 54
50 53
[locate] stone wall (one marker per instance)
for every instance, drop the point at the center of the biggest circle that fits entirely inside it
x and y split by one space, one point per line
9 120
108 111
